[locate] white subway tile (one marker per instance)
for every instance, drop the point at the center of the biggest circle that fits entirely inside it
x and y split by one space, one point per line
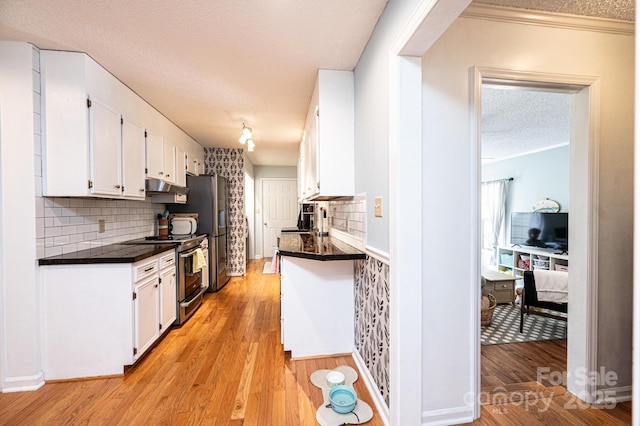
52 251
69 229
76 202
40 249
69 211
38 187
40 227
60 221
48 242
95 211
69 248
54 231
75 238
89 236
76 220
52 211
39 206
62 240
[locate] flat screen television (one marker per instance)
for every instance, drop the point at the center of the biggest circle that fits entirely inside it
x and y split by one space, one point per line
544 230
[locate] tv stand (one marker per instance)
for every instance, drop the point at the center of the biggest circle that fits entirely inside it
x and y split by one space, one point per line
514 261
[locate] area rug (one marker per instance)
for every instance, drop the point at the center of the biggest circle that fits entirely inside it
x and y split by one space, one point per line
505 327
266 270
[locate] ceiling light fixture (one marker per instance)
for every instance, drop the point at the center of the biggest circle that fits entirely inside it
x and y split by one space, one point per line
246 134
250 145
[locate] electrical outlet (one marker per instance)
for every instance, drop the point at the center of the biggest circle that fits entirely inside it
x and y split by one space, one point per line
377 206
101 226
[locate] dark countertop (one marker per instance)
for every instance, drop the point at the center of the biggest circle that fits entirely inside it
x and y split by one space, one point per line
309 246
112 253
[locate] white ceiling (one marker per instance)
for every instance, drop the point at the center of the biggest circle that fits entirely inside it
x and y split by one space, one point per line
519 121
209 65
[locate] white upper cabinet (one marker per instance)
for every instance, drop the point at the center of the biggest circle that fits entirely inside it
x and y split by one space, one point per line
192 164
329 157
169 154
93 137
181 167
105 148
133 160
155 156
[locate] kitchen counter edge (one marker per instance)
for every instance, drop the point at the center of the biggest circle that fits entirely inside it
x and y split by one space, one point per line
112 253
290 245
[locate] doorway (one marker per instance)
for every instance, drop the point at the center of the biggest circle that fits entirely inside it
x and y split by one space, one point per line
582 187
525 150
279 210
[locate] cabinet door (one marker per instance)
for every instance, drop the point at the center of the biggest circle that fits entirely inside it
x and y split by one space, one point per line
133 158
155 155
181 167
105 149
146 315
169 155
168 298
192 165
311 157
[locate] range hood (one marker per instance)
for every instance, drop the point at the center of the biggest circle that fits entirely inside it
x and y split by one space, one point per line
157 185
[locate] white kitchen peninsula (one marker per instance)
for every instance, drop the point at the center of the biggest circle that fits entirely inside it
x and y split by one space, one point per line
317 295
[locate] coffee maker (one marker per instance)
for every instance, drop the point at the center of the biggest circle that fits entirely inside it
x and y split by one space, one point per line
306 216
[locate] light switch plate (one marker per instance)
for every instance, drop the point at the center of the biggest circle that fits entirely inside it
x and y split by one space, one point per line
377 206
101 226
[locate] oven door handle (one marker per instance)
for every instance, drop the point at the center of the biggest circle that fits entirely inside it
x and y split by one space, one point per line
193 300
188 254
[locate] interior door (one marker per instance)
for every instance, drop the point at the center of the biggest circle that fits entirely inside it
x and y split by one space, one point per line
279 210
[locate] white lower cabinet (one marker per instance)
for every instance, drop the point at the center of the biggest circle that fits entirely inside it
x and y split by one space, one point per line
146 314
317 306
168 293
99 318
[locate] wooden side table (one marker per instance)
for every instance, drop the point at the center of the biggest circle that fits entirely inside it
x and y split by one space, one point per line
502 286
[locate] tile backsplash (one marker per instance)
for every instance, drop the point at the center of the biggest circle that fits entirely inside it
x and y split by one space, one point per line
349 216
65 225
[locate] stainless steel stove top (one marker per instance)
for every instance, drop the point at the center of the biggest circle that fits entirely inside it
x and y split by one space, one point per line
171 239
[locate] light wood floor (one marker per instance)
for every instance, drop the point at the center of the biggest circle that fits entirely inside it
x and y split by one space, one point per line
226 366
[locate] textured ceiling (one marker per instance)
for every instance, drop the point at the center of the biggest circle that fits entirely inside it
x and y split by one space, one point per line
209 65
612 9
517 121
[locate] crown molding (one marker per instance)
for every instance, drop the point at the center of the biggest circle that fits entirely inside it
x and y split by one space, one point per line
549 19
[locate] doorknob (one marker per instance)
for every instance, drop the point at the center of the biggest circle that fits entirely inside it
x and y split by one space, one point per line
265 224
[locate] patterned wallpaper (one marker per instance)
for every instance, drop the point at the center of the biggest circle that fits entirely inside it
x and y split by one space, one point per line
372 319
229 163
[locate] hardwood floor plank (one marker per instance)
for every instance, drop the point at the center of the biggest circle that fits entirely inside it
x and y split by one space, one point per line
230 350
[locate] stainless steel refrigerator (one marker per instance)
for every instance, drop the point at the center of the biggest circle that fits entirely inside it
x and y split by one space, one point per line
208 197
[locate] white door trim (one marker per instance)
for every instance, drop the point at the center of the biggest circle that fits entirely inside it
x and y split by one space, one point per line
584 167
430 19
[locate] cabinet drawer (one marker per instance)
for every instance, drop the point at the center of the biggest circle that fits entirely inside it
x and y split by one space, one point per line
168 260
503 296
145 269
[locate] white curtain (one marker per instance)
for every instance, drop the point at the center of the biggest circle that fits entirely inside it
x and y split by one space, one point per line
494 198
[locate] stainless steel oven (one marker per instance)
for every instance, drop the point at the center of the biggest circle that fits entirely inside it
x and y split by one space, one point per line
190 284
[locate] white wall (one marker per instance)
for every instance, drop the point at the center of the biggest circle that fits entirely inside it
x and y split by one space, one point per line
371 79
261 173
447 370
20 334
543 174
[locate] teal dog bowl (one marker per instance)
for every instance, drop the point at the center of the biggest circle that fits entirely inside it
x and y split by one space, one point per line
343 399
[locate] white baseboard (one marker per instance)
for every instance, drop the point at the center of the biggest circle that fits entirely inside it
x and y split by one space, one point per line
23 383
617 394
377 397
448 416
